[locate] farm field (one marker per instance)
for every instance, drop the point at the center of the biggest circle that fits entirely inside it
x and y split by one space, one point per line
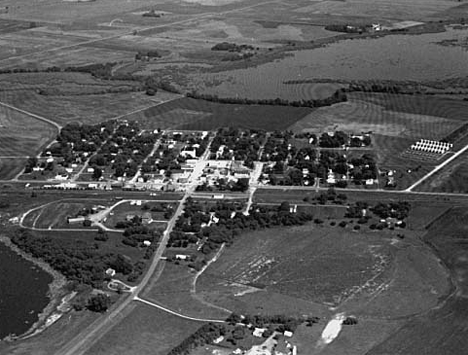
85 109
10 167
191 114
144 330
15 141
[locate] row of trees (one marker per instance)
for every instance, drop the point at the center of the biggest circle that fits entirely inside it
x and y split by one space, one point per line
231 222
338 96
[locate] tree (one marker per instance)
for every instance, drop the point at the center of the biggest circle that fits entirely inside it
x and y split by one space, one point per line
97 173
284 207
99 303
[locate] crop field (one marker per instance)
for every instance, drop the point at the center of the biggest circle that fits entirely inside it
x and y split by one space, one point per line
191 114
146 330
86 109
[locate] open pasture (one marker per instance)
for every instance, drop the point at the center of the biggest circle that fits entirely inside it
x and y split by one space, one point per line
173 290
144 331
429 333
191 114
317 264
15 140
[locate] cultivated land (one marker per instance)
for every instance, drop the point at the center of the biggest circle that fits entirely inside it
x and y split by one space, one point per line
288 245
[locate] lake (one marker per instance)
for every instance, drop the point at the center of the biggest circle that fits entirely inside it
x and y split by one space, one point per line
23 292
392 57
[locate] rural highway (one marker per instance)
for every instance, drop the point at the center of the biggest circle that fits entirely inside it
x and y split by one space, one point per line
437 168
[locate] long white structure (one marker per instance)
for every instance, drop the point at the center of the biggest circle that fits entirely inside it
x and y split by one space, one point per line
429 146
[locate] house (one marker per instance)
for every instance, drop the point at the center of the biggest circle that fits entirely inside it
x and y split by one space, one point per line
370 182
192 153
218 340
258 332
146 243
146 218
90 170
288 334
110 272
181 257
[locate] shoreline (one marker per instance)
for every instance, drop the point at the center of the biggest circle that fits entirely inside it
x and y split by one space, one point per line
55 293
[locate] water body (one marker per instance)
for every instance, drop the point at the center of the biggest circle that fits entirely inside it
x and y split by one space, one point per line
393 57
23 292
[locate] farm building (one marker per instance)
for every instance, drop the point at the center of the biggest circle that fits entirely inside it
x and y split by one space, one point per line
73 220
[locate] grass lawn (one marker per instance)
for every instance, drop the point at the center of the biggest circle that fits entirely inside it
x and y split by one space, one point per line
146 330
